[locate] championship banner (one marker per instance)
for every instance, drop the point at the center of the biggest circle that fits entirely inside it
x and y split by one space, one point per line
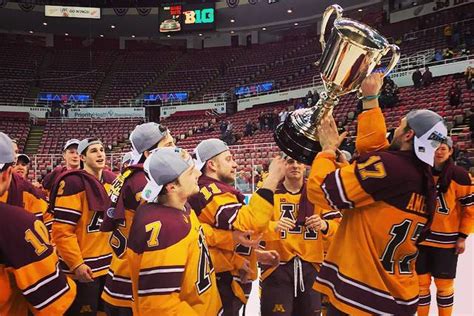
72 12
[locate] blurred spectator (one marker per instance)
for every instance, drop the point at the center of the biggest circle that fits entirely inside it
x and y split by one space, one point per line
448 34
348 144
229 136
454 95
469 77
266 120
427 77
448 53
248 128
223 127
255 127
462 160
340 127
389 94
283 115
438 55
261 121
274 120
416 77
230 127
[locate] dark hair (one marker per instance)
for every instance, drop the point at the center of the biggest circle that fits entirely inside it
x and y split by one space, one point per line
163 191
143 158
90 140
6 166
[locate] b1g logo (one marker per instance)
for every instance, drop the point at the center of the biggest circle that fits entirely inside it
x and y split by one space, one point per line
199 16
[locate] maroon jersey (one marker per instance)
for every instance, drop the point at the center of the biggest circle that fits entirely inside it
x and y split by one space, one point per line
29 272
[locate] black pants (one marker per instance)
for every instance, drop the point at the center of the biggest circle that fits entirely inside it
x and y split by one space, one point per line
441 263
112 310
88 301
332 311
278 291
231 304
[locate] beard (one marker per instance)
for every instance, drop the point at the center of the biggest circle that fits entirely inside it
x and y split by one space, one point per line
395 145
226 178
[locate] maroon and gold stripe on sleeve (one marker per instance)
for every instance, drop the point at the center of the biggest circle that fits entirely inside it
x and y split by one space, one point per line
160 280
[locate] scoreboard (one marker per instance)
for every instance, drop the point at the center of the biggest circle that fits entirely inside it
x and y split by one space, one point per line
187 17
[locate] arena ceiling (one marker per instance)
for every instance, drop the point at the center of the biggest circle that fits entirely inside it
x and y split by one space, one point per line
281 15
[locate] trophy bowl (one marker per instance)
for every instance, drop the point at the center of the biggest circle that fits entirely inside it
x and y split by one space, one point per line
352 52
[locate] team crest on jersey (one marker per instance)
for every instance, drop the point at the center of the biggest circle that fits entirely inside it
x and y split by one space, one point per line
111 212
86 309
278 308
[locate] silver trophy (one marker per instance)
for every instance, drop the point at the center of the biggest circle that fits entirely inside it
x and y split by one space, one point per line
351 53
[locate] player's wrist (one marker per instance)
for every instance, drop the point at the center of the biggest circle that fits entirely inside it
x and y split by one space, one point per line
271 182
370 104
78 266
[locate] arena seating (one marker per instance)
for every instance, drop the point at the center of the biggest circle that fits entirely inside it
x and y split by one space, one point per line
18 65
133 71
114 134
111 75
17 126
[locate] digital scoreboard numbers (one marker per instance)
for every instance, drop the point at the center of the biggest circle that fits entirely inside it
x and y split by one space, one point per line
187 17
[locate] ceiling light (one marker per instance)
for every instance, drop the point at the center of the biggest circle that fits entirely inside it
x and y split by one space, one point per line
133 36
112 26
264 28
289 10
296 24
232 32
31 32
44 23
232 20
168 35
67 34
200 34
101 35
360 10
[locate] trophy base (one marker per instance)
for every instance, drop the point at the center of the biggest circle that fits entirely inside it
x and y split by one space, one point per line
295 144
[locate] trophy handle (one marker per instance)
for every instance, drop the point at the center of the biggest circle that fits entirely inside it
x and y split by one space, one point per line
335 8
395 57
